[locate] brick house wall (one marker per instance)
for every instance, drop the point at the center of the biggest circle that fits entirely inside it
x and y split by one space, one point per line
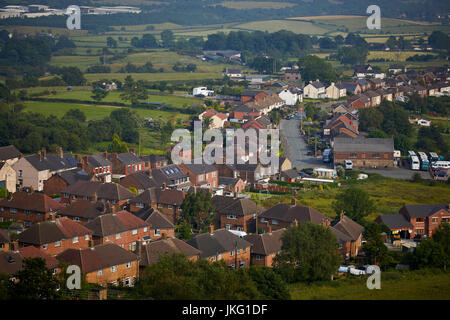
69 199
54 185
366 159
262 260
127 240
54 248
4 246
231 259
241 223
22 216
255 98
171 212
156 234
426 225
107 276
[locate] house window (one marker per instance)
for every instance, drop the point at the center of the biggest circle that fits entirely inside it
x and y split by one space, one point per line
240 229
258 257
420 231
133 246
352 155
231 266
20 173
231 253
128 265
113 269
213 258
375 155
66 195
340 245
219 257
12 210
55 271
75 240
419 219
76 219
127 282
231 216
139 205
157 232
214 174
435 220
262 220
57 244
74 196
118 236
86 237
113 283
446 220
245 250
160 205
145 229
99 272
27 211
169 206
134 232
274 221
238 252
86 198
44 246
228 226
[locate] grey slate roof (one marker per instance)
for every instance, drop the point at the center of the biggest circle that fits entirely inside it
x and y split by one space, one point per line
424 210
74 175
266 243
153 250
235 206
108 191
127 158
154 218
4 236
8 152
52 162
348 227
146 197
98 160
395 221
289 213
153 158
200 168
363 145
221 241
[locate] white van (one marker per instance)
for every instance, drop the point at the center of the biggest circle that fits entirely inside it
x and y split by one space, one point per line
441 165
348 165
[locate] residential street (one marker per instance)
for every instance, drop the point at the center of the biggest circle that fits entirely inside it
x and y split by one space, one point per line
296 149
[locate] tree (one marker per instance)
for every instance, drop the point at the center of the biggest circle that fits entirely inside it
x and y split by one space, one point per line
118 146
3 193
75 114
374 247
35 282
313 67
269 283
434 251
133 91
98 94
111 42
184 231
309 252
72 76
198 210
177 277
133 189
167 38
355 202
275 116
352 55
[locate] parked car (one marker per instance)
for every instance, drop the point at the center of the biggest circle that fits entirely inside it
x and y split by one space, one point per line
348 165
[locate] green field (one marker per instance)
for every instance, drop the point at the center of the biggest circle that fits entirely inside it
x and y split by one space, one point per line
154 77
256 4
92 112
389 195
303 27
417 285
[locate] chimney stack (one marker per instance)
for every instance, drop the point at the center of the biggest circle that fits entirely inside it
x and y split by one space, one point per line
44 152
113 209
85 159
60 152
211 228
295 223
39 153
341 216
269 229
95 197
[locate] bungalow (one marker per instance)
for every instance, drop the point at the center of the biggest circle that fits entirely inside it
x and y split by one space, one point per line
266 104
223 245
53 237
106 264
289 175
28 208
265 247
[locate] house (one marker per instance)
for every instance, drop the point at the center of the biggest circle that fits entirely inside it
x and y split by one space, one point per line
250 173
97 165
292 75
202 175
233 73
217 119
53 237
12 261
290 96
266 104
375 98
284 216
236 213
262 122
289 175
122 228
341 125
160 225
169 203
62 180
257 80
351 243
28 208
104 264
231 186
223 245
141 181
7 177
394 69
96 191
150 252
376 83
315 90
124 164
154 161
363 71
284 163
265 247
252 95
5 240
171 176
336 91
417 219
9 154
363 84
351 87
34 169
146 199
365 153
84 211
242 112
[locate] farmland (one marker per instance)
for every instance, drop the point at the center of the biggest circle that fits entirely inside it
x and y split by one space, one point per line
256 4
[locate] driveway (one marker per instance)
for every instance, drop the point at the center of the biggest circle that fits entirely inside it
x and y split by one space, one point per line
296 148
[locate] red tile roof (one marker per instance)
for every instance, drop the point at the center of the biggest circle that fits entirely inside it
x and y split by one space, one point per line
31 201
